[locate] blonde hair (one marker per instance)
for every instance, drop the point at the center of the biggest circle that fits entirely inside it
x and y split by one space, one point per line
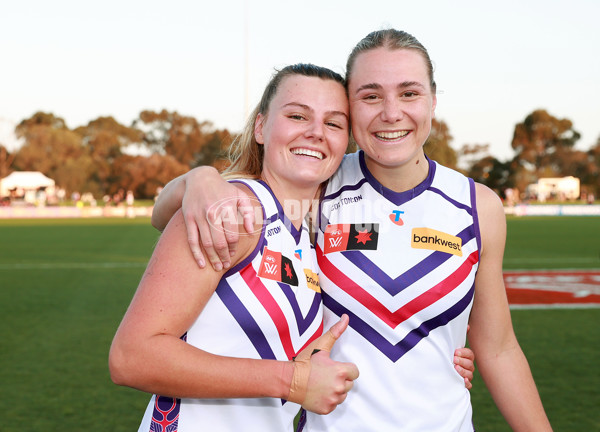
245 154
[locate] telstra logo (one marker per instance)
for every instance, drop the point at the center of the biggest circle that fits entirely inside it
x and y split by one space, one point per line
395 217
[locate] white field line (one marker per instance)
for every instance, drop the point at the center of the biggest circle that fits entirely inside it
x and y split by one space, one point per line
553 260
556 306
108 265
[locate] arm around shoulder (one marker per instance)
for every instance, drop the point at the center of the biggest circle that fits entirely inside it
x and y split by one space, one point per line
171 197
148 353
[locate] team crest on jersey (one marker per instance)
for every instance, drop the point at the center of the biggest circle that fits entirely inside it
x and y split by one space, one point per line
342 237
277 267
427 238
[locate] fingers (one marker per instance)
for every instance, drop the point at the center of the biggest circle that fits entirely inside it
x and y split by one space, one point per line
340 327
224 225
464 365
329 378
246 209
326 340
328 383
214 241
232 235
231 224
221 237
468 384
351 371
205 232
193 240
465 357
466 374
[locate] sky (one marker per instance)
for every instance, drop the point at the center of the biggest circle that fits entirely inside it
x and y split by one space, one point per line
495 62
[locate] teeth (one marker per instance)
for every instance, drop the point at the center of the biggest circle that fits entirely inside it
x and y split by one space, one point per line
307 152
391 135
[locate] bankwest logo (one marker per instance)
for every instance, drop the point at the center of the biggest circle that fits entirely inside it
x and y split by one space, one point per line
427 238
312 280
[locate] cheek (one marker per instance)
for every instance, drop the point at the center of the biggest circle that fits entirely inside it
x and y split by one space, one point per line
341 147
359 123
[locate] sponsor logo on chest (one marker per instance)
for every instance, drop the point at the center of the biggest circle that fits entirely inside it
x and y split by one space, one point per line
427 238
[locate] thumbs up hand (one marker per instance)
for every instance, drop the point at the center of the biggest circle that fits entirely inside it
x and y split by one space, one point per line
319 383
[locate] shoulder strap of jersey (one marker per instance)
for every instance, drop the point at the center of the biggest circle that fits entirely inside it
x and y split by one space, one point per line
264 194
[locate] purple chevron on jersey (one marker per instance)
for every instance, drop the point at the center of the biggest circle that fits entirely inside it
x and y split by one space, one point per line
245 320
304 322
395 285
396 351
249 324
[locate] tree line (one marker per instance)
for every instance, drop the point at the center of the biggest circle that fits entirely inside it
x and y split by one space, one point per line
105 157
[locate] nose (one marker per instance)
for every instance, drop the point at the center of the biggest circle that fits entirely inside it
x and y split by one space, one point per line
392 110
315 130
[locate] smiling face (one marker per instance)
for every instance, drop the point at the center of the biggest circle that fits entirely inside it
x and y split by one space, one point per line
305 133
392 106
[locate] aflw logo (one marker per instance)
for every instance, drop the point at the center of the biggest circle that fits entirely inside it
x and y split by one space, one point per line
276 266
270 268
427 238
343 237
335 242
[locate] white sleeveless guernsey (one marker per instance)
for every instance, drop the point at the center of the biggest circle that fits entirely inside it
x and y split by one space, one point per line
267 307
402 266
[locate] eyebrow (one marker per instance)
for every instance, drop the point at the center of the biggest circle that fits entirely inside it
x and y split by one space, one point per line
306 107
402 85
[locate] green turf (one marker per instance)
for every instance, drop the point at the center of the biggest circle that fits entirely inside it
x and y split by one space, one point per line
567 242
65 284
563 350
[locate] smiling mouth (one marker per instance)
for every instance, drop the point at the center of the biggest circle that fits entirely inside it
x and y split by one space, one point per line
391 136
307 152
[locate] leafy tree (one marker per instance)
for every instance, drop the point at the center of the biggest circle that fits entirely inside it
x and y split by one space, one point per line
437 146
492 173
53 149
214 151
469 154
6 161
182 137
144 175
104 140
592 176
40 119
484 168
542 142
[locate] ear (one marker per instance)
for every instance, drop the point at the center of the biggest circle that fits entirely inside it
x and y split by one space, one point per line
258 128
433 105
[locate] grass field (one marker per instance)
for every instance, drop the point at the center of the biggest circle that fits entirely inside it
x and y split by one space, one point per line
65 284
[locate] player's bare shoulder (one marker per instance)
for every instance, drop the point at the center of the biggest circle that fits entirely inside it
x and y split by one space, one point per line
492 219
488 202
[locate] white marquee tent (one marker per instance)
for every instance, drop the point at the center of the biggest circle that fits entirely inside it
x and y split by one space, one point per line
24 181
